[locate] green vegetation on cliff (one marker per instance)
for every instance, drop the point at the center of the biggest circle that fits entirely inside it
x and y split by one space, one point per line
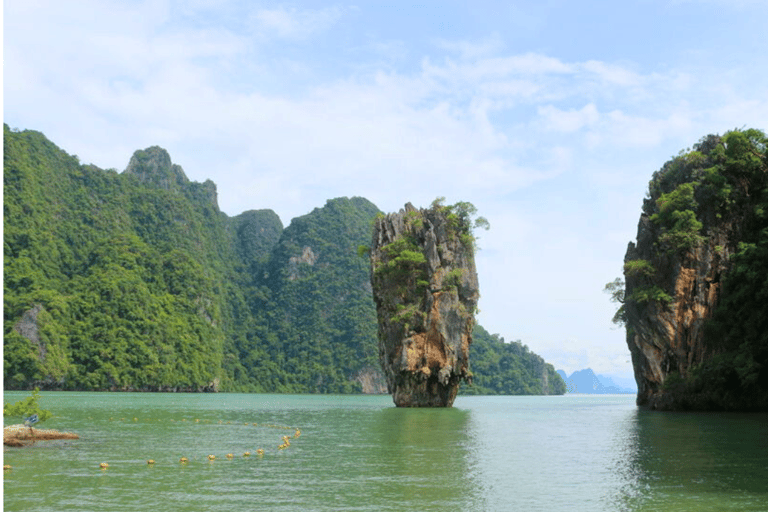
738 331
425 287
110 283
703 243
318 315
137 281
500 368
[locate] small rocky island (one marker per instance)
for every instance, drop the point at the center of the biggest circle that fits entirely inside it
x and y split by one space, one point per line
426 291
22 435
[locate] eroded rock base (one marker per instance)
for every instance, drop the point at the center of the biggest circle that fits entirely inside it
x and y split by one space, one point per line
412 390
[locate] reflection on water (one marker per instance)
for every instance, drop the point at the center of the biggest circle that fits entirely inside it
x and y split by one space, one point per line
423 454
548 453
602 453
696 461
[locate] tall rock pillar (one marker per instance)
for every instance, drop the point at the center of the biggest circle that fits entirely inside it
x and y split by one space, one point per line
426 291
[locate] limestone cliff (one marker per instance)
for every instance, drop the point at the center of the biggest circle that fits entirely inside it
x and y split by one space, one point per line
426 290
702 206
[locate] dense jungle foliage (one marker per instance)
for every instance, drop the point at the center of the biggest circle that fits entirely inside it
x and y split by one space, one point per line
717 189
137 281
500 368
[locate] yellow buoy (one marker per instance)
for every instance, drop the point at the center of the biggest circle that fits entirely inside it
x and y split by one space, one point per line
151 461
247 454
230 456
7 467
298 433
260 452
211 457
183 460
103 465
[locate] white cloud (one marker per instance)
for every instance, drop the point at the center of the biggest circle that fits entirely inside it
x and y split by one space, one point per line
612 73
295 23
635 130
568 121
468 50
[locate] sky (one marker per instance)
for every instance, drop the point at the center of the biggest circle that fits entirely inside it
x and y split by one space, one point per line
550 116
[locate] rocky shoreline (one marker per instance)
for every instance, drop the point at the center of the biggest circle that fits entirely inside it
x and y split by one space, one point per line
22 435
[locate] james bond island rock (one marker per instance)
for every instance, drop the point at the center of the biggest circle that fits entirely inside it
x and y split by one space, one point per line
696 296
425 289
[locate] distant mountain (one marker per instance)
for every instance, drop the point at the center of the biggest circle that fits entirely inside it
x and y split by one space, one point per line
587 382
628 384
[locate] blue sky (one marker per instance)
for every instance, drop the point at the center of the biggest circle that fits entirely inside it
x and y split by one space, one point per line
549 116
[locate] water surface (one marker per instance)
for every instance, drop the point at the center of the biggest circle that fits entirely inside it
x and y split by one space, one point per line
574 452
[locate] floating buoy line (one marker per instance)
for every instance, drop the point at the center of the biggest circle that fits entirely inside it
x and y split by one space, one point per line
211 458
230 456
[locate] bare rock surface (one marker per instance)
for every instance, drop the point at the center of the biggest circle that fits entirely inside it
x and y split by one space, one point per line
426 290
22 435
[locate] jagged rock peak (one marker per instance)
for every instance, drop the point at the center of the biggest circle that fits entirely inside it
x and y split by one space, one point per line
153 166
426 290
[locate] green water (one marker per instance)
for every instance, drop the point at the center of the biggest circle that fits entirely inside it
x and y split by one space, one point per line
361 453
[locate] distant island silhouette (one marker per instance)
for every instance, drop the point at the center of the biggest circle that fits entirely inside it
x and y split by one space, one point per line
587 382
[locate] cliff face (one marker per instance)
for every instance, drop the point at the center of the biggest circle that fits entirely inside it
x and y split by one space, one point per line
703 206
665 335
425 289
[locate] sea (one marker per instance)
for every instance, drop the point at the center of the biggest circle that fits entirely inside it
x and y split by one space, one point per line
360 453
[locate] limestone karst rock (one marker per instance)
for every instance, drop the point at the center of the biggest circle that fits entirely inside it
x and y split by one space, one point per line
426 291
705 213
666 335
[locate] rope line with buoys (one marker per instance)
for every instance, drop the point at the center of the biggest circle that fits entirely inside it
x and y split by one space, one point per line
183 461
212 457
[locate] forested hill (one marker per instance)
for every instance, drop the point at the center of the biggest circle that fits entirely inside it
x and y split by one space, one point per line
137 281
